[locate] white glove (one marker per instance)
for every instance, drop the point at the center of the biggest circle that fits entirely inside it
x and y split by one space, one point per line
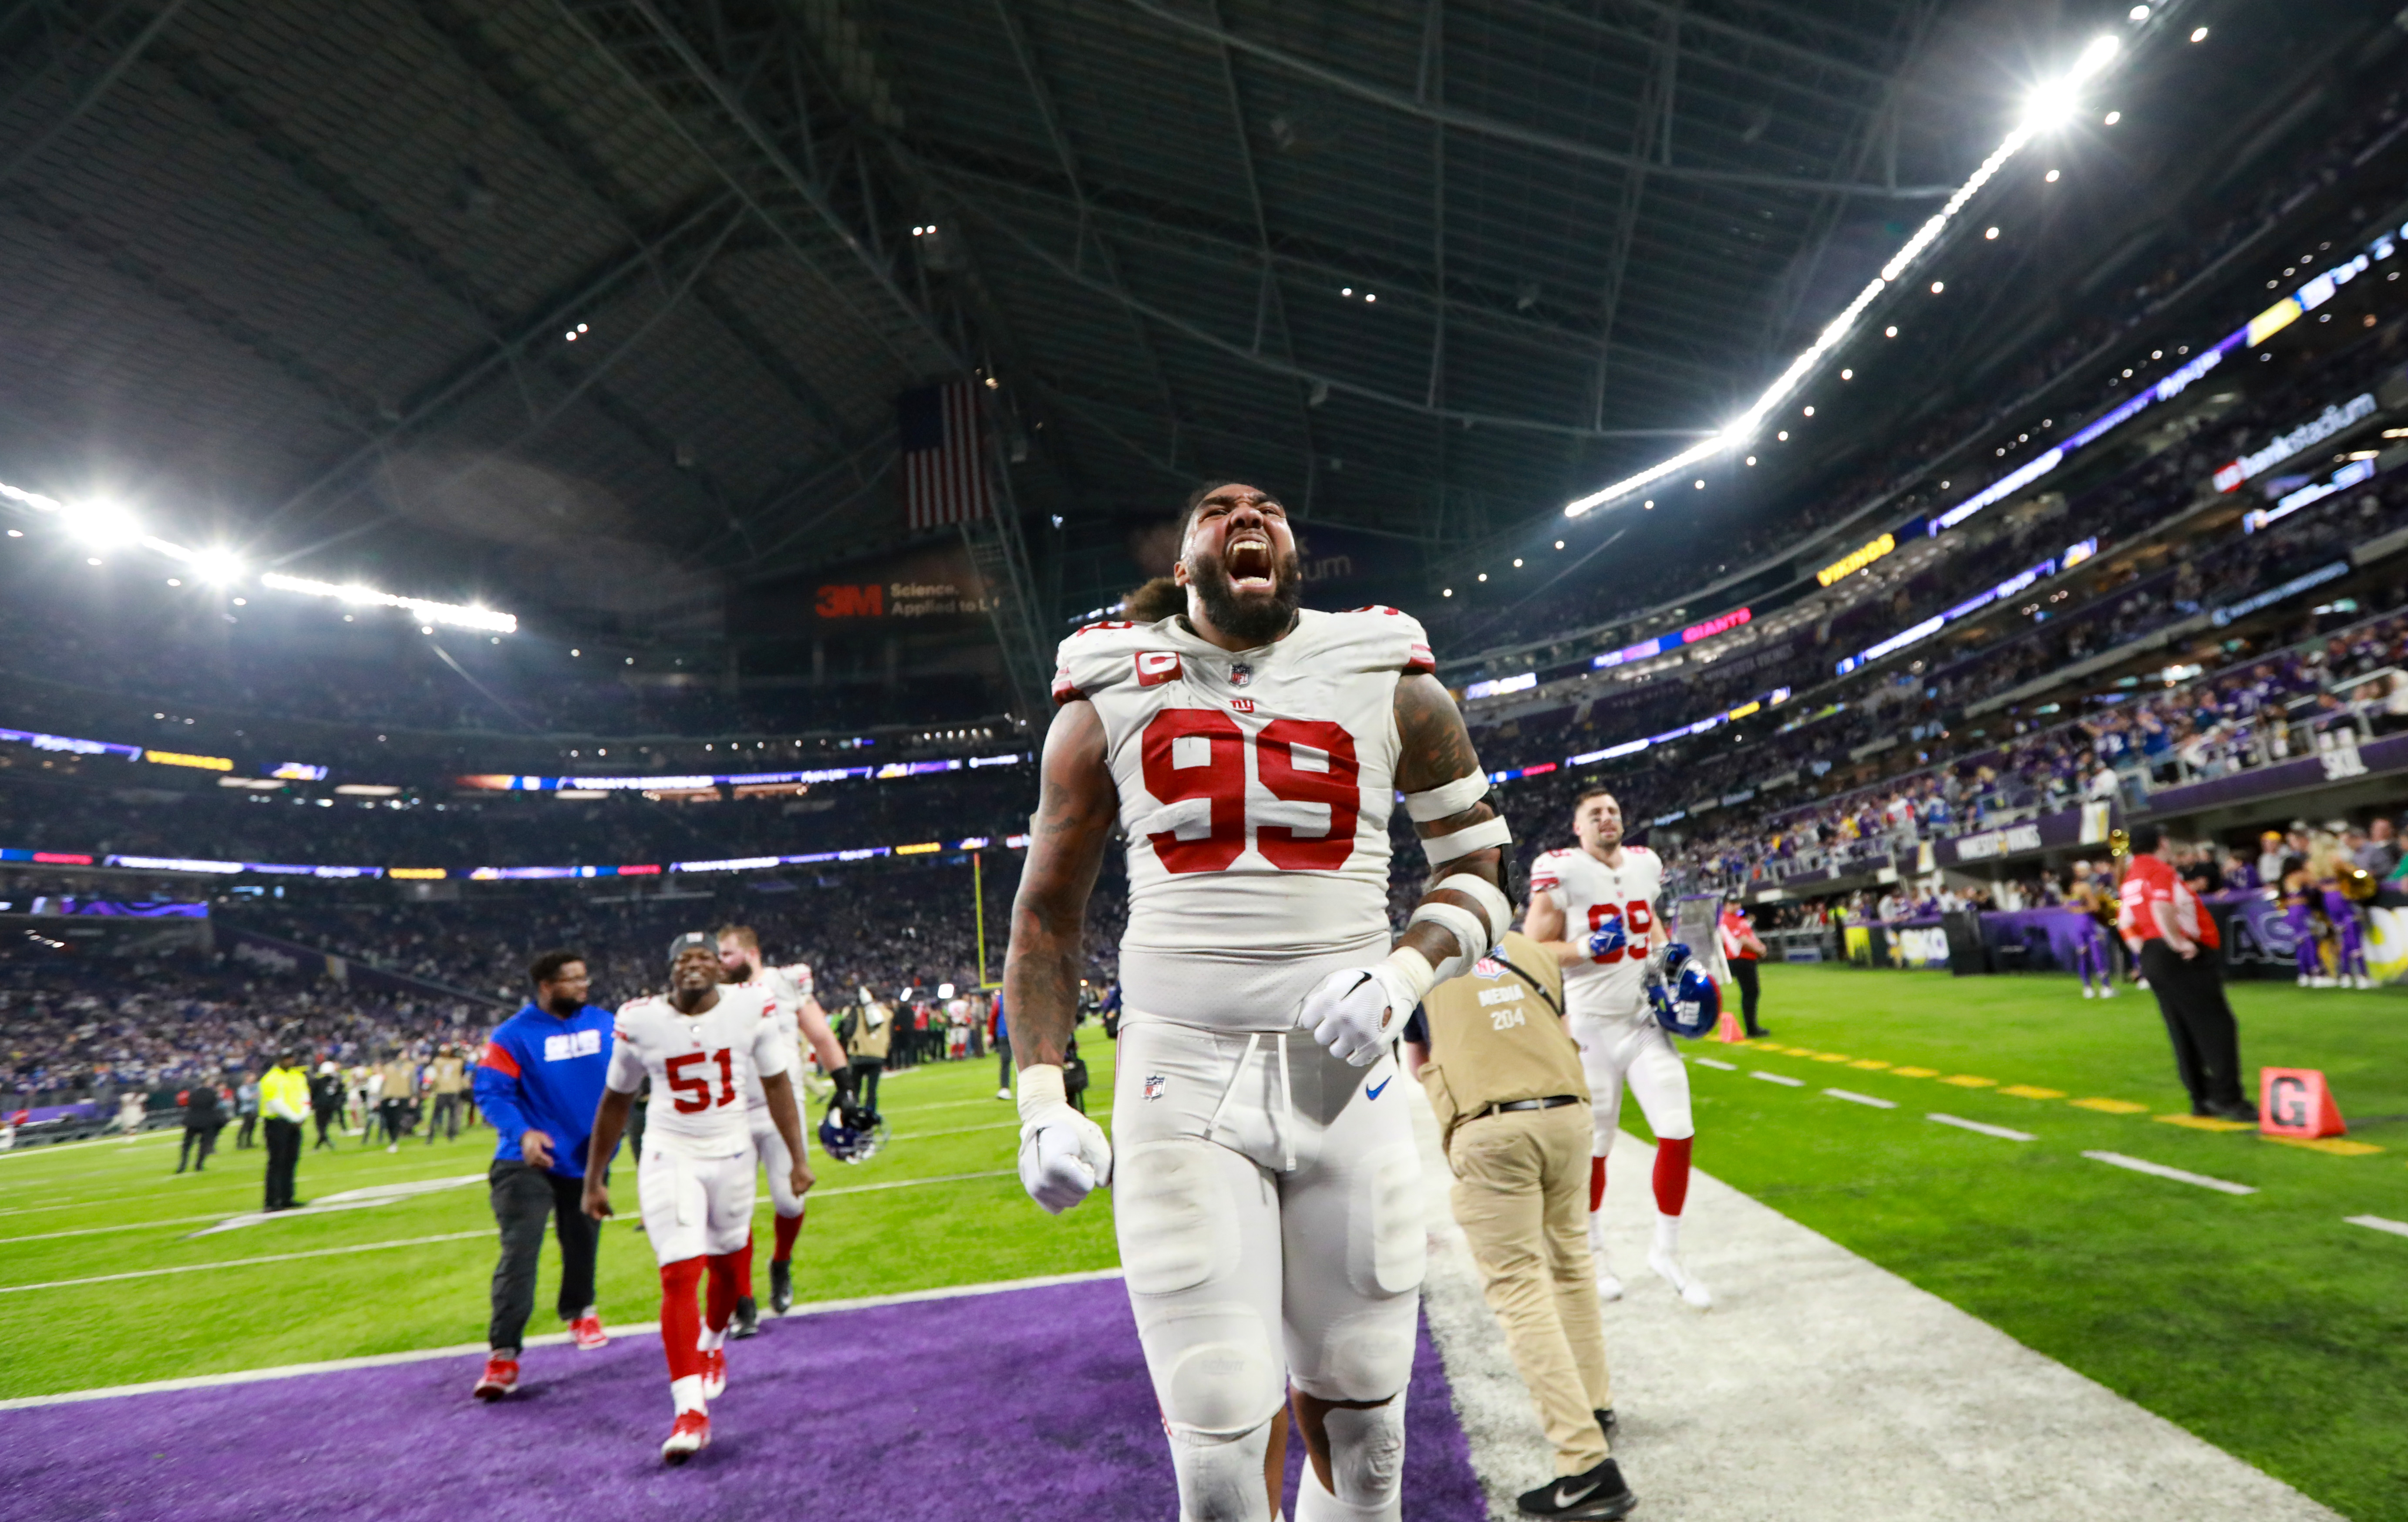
1357 1011
1063 1155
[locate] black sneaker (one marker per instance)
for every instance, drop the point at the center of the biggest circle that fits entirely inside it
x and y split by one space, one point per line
2234 1110
748 1319
1605 1422
782 1285
1597 1496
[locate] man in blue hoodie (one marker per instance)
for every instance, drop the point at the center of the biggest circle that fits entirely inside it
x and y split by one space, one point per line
539 1084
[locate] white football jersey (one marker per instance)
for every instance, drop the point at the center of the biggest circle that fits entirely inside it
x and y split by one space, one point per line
1254 790
700 1065
788 998
1589 892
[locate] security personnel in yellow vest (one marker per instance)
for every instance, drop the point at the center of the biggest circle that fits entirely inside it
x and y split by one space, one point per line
1505 1079
868 1031
285 1097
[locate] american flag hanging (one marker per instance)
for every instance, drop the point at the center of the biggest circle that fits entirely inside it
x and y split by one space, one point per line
944 472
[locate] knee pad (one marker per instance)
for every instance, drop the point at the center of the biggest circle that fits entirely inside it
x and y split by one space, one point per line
1215 1373
1357 1357
1367 1464
1221 1474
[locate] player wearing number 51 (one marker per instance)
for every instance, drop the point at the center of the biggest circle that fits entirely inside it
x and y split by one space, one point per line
701 1045
1267 1195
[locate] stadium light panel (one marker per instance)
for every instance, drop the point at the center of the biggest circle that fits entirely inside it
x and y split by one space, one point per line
2094 59
426 613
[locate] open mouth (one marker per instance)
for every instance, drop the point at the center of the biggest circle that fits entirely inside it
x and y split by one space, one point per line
1248 559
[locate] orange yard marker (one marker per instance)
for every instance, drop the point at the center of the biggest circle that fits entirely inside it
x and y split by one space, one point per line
2296 1102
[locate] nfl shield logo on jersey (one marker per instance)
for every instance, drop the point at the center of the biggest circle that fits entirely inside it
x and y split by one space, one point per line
1239 674
1154 1085
1156 667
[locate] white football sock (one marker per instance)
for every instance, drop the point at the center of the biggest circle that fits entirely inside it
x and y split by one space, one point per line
686 1391
1667 1234
711 1342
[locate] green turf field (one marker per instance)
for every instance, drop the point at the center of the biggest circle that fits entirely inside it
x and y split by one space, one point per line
2266 1323
135 1214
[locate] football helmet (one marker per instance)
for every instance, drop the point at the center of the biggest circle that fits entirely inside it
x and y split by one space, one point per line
852 1136
1683 994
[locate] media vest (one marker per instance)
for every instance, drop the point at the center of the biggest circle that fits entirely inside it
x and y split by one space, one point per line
1494 1038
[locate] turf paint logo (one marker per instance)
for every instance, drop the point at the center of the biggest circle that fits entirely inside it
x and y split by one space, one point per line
1154 1085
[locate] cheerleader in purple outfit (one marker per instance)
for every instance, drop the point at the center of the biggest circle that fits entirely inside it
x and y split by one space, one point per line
2331 868
2097 907
2299 891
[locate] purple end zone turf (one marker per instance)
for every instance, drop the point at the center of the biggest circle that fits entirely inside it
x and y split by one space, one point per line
1028 1405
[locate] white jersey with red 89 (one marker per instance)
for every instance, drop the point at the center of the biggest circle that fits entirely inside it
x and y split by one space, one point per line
700 1065
1589 892
1255 788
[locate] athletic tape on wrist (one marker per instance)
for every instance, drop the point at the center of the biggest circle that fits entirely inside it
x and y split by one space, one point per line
1446 799
1415 977
1470 936
1491 898
1040 1089
1441 849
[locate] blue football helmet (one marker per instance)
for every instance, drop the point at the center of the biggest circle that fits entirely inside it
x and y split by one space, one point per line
1685 996
852 1136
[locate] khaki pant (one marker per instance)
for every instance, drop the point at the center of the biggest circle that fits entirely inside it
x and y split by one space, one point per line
1521 1195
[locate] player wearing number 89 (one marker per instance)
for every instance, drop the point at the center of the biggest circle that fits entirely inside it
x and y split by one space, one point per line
1595 906
701 1045
1267 1193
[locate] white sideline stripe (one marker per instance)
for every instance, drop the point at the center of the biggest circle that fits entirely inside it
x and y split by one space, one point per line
2003 1133
2398 1228
383 1360
1718 1067
160 1134
1783 1079
1855 1097
239 1262
2141 1165
906 1183
99 1230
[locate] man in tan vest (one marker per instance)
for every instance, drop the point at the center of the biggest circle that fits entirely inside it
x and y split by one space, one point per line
866 1034
1505 1079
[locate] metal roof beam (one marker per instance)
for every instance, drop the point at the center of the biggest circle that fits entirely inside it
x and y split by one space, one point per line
109 29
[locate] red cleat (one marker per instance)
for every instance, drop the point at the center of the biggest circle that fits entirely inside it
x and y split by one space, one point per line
689 1437
588 1334
714 1373
501 1377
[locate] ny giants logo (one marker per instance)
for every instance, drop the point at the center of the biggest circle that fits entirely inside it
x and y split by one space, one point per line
1156 667
1242 705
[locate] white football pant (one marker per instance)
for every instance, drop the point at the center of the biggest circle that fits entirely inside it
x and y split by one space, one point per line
777 1162
1619 1050
694 1207
1267 1201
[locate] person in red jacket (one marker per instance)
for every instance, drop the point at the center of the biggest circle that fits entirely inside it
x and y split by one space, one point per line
2180 957
1741 949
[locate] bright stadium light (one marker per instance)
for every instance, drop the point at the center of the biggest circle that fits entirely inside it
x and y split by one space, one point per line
2094 58
426 613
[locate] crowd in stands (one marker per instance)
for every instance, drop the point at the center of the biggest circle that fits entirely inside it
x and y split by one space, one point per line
75 1020
1905 474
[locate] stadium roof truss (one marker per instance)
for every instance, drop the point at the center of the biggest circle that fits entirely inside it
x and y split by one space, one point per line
317 273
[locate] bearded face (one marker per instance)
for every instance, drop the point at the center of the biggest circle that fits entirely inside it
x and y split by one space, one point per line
1240 559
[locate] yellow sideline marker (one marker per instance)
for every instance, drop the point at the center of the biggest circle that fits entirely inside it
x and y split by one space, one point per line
2024 1091
2110 1107
1869 1063
1969 1081
2206 1122
1916 1072
2331 1145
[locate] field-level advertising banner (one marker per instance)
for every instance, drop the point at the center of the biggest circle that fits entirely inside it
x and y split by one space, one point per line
1917 947
933 588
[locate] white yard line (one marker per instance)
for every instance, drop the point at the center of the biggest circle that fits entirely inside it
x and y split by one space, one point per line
465 1350
1783 1079
1822 1388
241 1262
1718 1067
2141 1165
2004 1133
1854 1097
2376 1223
